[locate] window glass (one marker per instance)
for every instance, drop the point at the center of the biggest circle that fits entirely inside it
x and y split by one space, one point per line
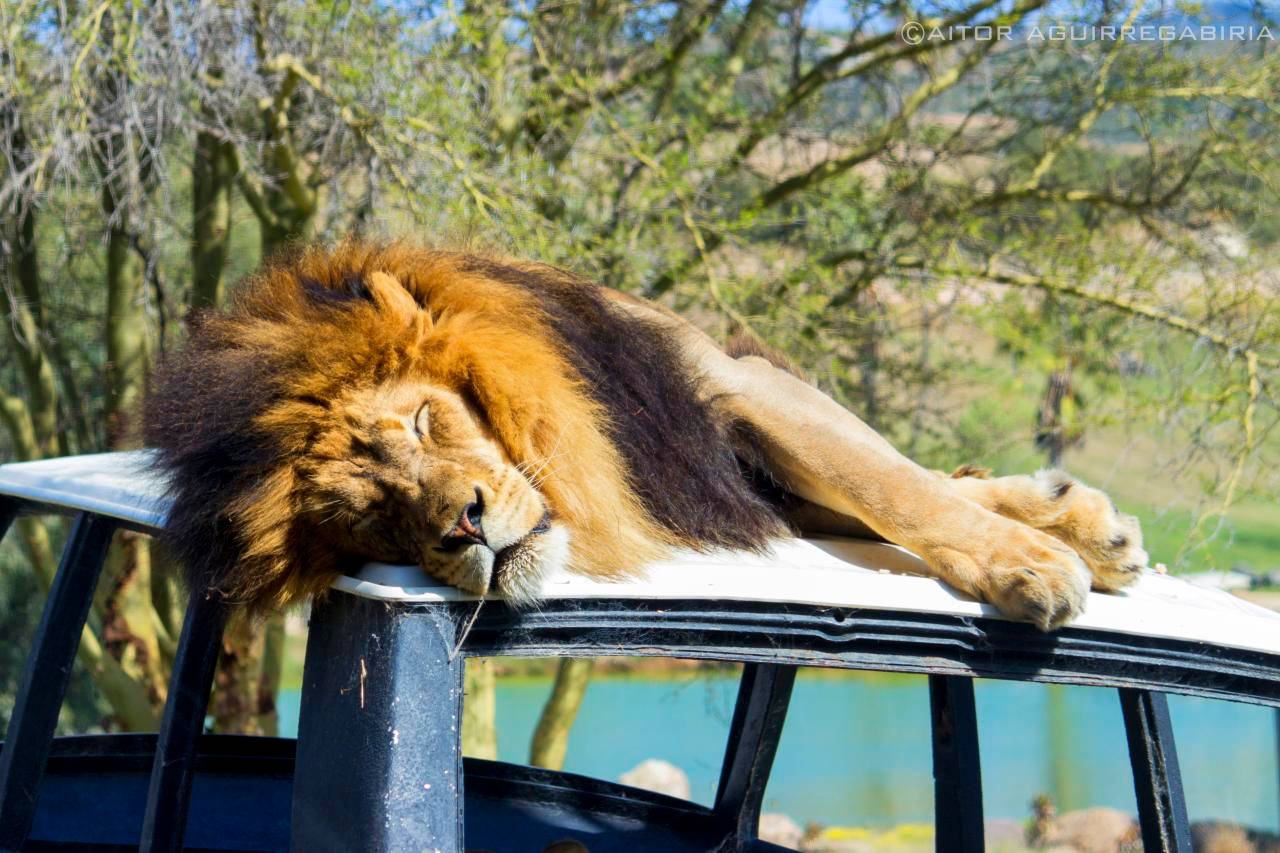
651 722
1055 766
854 766
1227 752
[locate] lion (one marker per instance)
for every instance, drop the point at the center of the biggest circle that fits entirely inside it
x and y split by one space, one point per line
493 420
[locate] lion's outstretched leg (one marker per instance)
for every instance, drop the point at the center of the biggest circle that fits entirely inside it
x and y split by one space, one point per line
1109 542
826 455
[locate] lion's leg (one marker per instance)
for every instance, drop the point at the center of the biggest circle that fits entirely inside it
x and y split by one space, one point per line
1109 542
826 455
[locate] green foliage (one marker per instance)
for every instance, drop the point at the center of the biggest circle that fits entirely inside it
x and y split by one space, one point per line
20 604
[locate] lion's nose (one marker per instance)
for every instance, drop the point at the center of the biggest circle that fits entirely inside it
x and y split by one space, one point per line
469 528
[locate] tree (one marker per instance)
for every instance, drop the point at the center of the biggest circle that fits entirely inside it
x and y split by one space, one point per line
551 737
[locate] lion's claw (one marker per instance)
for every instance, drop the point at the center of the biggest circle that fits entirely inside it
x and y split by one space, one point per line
1046 597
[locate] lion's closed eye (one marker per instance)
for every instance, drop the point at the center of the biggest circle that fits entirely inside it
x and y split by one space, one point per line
422 421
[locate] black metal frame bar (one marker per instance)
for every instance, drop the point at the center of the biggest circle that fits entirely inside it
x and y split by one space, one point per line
764 694
173 770
48 669
9 509
957 766
1157 781
932 644
382 711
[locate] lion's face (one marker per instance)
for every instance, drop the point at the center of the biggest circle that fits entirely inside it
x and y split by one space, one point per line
409 472
408 406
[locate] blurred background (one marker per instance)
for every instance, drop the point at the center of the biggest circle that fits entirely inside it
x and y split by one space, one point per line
1049 242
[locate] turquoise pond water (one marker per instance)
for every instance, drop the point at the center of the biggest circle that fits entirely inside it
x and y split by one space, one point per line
856 751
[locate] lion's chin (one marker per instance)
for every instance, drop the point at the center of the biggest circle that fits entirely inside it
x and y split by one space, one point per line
517 572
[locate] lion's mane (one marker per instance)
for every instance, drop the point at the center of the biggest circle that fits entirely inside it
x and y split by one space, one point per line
597 402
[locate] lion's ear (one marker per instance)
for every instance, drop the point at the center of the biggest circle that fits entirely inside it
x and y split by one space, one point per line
391 296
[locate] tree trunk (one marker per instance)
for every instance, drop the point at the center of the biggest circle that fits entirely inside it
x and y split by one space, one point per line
252 660
23 312
238 704
35 433
479 710
211 177
126 332
551 739
272 667
1054 432
123 602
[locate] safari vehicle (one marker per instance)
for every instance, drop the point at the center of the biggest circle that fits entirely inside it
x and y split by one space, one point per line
377 763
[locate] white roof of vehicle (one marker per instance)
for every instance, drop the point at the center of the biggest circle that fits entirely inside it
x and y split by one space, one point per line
832 572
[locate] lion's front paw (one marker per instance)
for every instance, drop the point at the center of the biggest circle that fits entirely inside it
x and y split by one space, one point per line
1029 576
1109 542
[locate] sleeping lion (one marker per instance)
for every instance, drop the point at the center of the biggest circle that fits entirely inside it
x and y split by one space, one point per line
492 420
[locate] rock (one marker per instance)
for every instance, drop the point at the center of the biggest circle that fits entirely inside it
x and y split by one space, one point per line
1095 830
781 830
663 777
1216 836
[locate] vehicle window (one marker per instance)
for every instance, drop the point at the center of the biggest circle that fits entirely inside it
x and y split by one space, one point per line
1228 752
854 764
21 603
1055 767
655 723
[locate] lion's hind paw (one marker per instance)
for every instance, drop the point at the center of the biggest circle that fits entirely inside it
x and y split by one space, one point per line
1109 541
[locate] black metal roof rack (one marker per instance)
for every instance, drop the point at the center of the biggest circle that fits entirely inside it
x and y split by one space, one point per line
377 764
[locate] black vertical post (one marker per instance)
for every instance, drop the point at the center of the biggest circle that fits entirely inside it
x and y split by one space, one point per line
8 512
44 681
763 696
1157 781
173 767
379 764
957 766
